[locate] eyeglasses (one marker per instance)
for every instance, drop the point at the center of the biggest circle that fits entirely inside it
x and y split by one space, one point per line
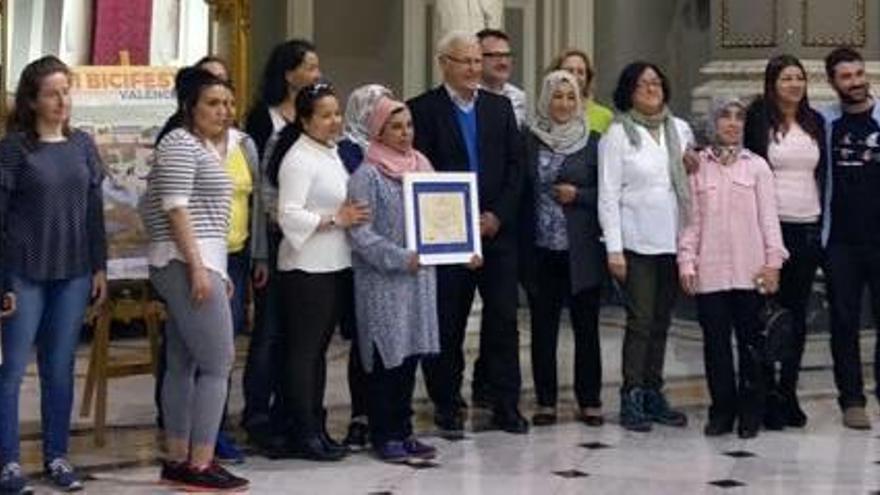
653 83
464 61
498 54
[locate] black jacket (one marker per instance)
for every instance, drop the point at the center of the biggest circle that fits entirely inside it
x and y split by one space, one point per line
757 139
438 136
586 253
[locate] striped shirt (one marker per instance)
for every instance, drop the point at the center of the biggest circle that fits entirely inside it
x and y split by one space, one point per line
51 208
187 174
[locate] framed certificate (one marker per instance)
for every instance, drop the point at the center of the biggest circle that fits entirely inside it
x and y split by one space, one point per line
442 217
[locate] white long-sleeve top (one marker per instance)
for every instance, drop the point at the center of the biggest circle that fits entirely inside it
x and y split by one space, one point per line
312 182
638 209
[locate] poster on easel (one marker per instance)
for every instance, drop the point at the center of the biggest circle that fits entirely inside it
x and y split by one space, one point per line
124 108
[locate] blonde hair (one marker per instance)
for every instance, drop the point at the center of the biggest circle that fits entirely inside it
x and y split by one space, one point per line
575 52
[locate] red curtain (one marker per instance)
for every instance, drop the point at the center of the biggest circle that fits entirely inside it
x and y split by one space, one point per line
122 25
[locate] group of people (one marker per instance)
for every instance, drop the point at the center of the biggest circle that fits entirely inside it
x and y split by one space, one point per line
305 205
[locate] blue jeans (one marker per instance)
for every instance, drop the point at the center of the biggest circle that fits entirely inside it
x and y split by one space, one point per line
49 314
261 372
238 267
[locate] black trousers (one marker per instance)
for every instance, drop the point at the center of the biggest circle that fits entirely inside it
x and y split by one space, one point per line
650 290
456 286
358 381
849 268
313 305
719 314
390 402
803 243
552 291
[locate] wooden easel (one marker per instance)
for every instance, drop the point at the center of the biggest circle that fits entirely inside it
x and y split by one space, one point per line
128 301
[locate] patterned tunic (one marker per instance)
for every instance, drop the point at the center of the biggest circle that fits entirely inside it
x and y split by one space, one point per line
396 309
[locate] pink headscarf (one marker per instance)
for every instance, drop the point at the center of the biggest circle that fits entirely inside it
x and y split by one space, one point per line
388 160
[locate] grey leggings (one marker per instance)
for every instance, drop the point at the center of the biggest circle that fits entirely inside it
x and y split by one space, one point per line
198 338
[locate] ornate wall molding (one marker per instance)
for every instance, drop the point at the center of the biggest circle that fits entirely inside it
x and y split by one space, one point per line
814 35
230 35
732 33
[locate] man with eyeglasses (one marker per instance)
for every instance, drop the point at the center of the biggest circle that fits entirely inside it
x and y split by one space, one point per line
497 69
463 128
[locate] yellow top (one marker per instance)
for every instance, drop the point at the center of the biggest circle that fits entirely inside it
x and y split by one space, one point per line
242 186
598 117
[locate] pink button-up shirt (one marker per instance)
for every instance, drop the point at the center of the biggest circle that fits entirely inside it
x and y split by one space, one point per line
734 228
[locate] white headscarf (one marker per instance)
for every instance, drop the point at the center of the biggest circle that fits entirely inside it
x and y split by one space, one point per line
357 112
561 138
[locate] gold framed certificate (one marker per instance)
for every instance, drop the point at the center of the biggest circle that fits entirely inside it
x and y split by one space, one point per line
442 217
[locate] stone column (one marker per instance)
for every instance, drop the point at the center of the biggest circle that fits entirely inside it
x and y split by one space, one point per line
745 33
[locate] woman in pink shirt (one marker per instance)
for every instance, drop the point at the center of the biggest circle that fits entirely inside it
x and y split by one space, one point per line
729 256
783 129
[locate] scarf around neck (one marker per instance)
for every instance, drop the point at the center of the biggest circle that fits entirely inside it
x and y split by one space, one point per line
664 120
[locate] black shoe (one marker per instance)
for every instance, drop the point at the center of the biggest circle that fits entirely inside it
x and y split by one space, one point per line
357 437
792 413
313 448
544 416
173 472
211 478
449 424
331 444
718 426
748 427
510 421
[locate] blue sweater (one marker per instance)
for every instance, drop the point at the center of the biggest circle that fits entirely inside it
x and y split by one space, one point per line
467 122
52 208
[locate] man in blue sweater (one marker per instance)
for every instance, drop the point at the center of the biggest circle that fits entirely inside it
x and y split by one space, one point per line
462 128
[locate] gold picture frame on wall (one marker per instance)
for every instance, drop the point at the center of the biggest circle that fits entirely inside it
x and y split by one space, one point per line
228 36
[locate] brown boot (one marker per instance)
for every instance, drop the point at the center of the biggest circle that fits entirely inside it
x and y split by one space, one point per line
856 418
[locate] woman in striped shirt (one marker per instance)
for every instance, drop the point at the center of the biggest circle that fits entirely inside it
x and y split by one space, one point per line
187 215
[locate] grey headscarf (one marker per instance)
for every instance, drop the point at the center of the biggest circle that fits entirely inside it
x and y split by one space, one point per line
719 104
357 112
561 138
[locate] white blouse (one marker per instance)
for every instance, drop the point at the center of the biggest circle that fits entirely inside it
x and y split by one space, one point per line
312 182
638 209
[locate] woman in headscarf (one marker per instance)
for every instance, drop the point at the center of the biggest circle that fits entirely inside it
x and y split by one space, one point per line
351 149
730 254
355 134
561 256
395 297
643 199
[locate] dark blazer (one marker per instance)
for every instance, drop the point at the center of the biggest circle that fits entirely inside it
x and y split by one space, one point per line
756 137
586 253
439 137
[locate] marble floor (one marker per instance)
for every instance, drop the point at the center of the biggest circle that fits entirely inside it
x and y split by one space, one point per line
569 458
